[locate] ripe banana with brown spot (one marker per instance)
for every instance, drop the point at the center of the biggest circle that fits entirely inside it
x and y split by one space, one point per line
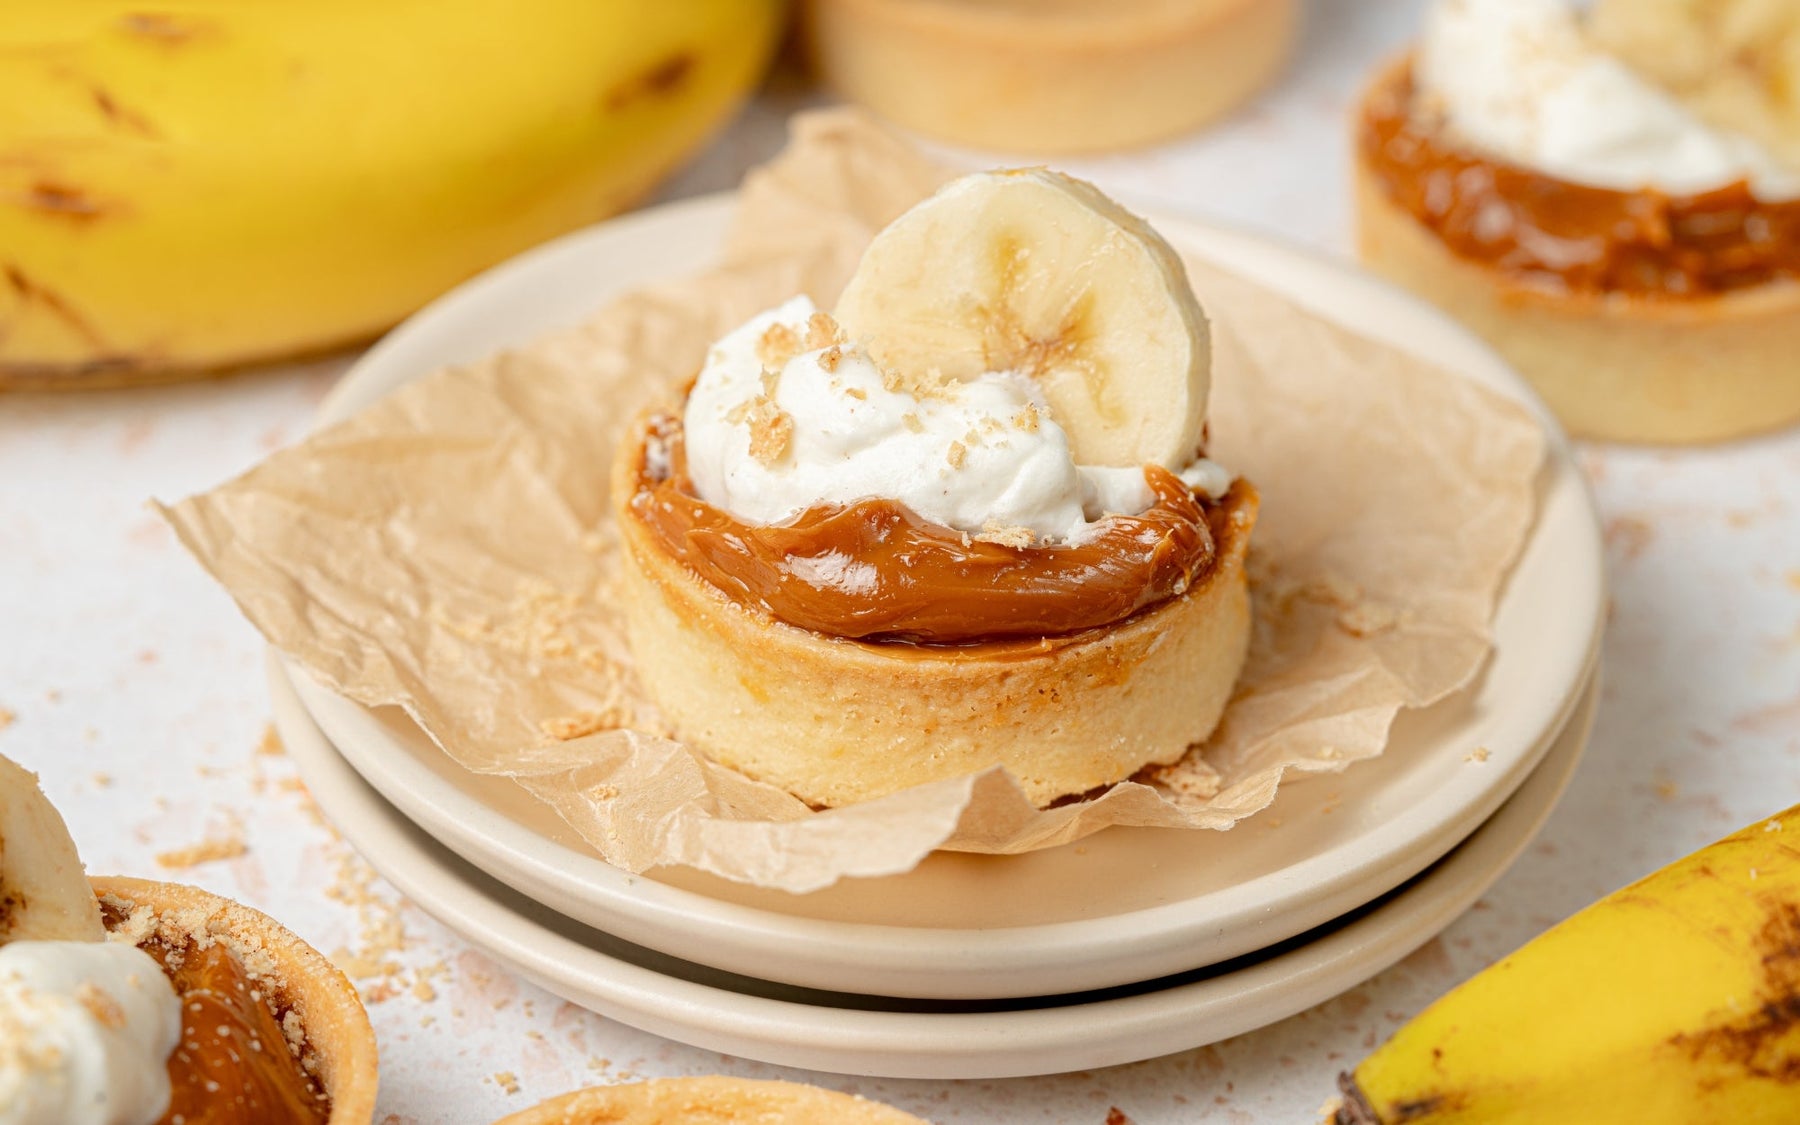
44 894
1038 273
189 188
1673 1001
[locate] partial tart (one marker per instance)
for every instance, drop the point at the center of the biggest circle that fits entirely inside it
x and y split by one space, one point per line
1615 363
242 975
709 1101
1073 76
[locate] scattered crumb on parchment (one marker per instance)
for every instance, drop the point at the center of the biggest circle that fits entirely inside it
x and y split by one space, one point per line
7 718
507 1081
1479 754
563 728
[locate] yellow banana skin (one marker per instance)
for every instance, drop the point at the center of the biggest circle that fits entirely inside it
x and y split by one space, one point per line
195 185
1674 1000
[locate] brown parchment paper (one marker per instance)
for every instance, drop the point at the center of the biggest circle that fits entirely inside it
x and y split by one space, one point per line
449 550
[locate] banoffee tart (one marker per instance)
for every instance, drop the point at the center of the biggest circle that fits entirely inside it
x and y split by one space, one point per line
709 1101
126 1002
966 522
1049 76
1638 264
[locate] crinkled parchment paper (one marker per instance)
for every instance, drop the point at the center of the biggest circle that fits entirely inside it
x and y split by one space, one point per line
450 550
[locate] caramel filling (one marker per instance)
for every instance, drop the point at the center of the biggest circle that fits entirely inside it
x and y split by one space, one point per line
233 1065
1571 236
874 570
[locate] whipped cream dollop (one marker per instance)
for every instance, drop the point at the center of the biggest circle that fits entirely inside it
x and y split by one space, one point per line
1521 80
786 415
85 1034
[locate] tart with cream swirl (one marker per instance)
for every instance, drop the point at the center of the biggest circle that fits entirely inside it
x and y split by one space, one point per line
966 522
127 1002
1639 263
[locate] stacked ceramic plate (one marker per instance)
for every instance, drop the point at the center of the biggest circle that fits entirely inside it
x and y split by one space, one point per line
1129 944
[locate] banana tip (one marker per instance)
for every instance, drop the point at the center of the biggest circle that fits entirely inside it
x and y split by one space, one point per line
1355 1108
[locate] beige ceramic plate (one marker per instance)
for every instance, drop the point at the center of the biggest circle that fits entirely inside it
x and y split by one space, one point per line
852 1034
1126 905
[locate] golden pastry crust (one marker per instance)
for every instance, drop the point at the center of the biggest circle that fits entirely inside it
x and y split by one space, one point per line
337 1043
709 1101
1612 366
838 721
1073 76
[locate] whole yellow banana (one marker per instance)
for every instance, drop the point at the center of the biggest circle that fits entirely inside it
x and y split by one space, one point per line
1674 1000
191 185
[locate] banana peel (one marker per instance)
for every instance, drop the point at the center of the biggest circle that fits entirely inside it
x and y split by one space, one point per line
1676 1000
207 184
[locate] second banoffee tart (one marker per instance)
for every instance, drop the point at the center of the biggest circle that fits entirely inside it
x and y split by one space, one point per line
1637 262
966 522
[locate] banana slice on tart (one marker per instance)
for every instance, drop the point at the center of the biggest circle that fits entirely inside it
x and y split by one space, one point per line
126 1002
965 522
44 894
1035 272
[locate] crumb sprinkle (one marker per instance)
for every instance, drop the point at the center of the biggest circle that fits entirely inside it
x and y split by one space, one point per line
777 345
206 851
580 724
822 331
771 433
1018 538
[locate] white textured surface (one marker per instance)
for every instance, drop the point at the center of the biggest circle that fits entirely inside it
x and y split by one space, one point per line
139 693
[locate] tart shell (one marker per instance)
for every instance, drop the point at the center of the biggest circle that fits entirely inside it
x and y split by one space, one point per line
339 1048
1612 366
836 721
709 1101
1006 77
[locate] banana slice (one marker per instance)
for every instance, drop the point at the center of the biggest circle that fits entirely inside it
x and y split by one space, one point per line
44 894
1034 272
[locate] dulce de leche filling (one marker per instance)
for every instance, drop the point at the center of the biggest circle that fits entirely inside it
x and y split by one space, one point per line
1572 236
874 570
233 1065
